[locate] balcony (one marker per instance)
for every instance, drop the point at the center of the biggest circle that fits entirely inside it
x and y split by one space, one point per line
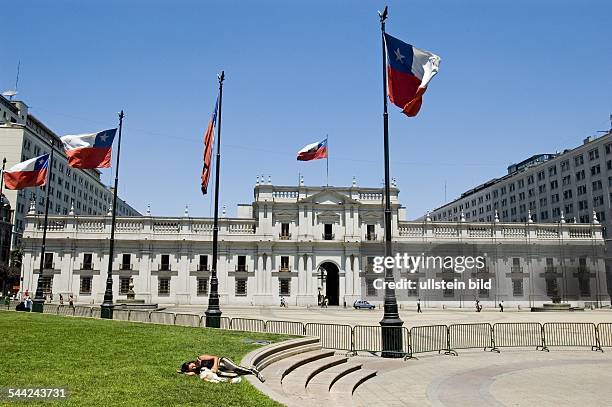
164 267
371 236
284 236
328 236
241 267
49 266
284 269
516 269
203 267
125 266
86 266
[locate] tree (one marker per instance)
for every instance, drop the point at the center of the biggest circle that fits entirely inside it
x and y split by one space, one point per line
12 271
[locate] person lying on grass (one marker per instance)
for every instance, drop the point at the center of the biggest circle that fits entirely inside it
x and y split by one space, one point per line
219 366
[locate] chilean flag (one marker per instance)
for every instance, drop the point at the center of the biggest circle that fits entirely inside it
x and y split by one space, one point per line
409 70
209 138
89 150
30 173
314 151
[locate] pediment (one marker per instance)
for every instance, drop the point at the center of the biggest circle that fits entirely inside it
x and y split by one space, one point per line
285 215
370 216
328 217
328 197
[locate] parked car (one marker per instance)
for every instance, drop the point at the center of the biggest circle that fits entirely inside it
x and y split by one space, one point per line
361 304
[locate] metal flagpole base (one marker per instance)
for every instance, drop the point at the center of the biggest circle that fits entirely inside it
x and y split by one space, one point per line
106 311
213 318
38 305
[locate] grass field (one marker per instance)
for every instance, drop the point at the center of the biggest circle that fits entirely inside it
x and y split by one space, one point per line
108 363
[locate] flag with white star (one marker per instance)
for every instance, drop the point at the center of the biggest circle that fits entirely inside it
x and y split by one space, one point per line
29 173
409 71
91 150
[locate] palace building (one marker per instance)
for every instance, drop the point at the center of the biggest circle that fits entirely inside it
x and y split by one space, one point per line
299 242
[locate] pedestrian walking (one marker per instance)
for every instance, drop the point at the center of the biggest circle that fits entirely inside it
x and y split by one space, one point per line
501 306
61 299
71 301
419 306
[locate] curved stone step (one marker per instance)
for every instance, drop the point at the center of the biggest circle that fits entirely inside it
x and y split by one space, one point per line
275 372
284 354
346 385
299 360
257 357
296 382
323 382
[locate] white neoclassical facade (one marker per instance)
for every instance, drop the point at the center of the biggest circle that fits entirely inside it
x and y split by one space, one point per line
299 241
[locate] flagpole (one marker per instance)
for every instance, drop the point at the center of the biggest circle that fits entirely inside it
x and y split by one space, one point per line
39 302
392 341
327 157
213 312
106 309
2 178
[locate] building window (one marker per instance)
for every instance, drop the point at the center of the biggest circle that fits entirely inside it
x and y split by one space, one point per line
241 287
202 286
87 261
593 154
370 233
284 287
578 160
241 266
48 263
328 232
85 285
517 287
124 285
165 263
126 261
414 292
595 169
163 286
284 263
285 231
203 265
448 292
370 290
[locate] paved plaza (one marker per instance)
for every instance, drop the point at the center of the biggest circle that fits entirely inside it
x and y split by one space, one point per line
476 378
429 316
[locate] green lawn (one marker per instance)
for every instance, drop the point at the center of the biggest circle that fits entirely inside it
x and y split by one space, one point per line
108 363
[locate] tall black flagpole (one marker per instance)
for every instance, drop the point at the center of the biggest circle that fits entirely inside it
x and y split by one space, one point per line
327 165
213 312
106 309
39 302
391 323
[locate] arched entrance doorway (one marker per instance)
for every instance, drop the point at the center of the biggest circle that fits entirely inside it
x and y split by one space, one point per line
331 282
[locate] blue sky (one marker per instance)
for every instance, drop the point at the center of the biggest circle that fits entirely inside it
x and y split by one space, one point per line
517 78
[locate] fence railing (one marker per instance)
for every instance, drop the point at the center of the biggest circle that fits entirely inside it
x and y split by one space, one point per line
361 338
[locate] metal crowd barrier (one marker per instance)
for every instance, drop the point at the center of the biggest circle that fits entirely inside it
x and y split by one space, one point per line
361 338
248 324
285 327
518 334
80 311
333 336
187 320
431 338
604 331
369 339
166 318
466 336
140 316
226 322
581 334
